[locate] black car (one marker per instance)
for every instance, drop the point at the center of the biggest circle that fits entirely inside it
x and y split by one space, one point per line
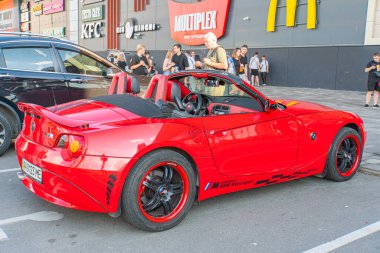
45 71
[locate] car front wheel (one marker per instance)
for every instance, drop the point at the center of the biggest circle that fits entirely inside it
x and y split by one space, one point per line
345 155
159 191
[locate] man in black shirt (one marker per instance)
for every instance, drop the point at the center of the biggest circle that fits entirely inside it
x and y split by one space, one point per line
244 60
139 63
179 60
373 70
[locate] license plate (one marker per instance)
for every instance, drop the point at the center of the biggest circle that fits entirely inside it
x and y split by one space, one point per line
32 171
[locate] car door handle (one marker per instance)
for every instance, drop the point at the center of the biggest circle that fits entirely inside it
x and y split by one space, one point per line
7 76
218 133
78 80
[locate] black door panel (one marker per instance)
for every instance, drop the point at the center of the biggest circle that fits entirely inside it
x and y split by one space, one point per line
40 88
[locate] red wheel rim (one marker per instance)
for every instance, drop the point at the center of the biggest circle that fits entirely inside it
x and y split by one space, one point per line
348 155
163 192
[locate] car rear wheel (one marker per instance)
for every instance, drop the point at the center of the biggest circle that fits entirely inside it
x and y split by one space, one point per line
159 191
5 134
345 155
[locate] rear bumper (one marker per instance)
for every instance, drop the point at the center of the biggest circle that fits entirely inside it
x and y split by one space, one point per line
89 183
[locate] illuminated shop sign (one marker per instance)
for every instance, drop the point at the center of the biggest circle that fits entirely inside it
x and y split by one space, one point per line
9 19
93 13
190 22
92 30
55 32
54 7
131 28
37 9
291 8
24 6
25 17
25 27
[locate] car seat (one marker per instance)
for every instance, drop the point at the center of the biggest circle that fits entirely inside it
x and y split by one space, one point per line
122 83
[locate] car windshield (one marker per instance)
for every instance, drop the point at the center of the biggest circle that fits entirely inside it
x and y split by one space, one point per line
215 87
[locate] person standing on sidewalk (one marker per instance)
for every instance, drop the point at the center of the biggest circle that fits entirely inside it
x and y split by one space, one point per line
239 67
254 65
216 57
139 63
179 60
167 66
190 59
373 70
244 61
264 69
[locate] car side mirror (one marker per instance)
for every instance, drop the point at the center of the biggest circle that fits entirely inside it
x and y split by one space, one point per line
269 105
266 105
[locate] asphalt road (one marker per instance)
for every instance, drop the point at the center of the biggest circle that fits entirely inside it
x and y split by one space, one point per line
308 214
290 217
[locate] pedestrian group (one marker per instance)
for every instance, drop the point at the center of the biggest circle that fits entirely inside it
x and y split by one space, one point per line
216 59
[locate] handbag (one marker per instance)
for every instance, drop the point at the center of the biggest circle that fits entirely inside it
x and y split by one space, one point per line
241 69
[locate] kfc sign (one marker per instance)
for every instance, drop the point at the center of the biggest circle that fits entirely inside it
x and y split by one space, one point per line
190 22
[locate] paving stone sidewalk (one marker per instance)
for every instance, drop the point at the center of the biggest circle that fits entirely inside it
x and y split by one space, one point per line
352 101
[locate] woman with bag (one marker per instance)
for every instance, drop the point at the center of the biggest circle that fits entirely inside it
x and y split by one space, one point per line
239 67
167 66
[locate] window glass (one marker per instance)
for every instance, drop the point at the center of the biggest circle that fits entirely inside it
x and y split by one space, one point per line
77 63
212 87
29 58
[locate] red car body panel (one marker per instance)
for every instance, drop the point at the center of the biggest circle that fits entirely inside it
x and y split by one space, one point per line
230 152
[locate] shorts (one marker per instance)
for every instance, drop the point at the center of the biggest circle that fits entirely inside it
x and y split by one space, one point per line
373 85
255 72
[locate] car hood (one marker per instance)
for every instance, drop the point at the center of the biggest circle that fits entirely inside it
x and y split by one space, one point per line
299 107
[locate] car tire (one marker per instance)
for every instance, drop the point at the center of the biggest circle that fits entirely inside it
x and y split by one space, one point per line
345 155
159 191
5 134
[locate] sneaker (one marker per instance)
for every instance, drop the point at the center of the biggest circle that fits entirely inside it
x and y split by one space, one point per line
366 105
376 106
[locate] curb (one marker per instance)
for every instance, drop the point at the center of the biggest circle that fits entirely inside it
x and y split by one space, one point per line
369 171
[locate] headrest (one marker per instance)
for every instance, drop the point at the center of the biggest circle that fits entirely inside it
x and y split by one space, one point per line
133 85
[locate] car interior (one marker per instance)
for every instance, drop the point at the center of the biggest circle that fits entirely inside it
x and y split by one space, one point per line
187 96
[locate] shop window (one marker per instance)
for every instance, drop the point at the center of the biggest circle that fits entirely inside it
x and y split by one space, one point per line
29 58
77 63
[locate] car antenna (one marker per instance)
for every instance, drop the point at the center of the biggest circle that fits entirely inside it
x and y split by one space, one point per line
55 101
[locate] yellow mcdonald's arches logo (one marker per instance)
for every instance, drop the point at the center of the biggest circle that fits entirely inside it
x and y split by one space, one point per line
291 7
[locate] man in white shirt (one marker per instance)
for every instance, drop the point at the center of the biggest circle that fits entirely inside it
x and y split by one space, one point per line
191 59
254 65
264 69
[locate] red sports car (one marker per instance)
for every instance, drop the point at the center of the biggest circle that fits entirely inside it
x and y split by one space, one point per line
194 135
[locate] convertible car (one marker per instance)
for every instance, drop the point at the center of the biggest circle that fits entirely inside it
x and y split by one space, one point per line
192 136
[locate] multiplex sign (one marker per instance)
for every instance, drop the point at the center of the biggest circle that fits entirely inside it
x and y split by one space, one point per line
190 22
92 30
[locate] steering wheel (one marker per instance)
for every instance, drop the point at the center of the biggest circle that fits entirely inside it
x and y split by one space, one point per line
192 103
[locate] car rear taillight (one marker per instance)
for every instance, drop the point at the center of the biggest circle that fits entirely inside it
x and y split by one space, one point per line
72 146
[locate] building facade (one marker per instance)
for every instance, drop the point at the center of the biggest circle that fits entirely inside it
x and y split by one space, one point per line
308 43
9 16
